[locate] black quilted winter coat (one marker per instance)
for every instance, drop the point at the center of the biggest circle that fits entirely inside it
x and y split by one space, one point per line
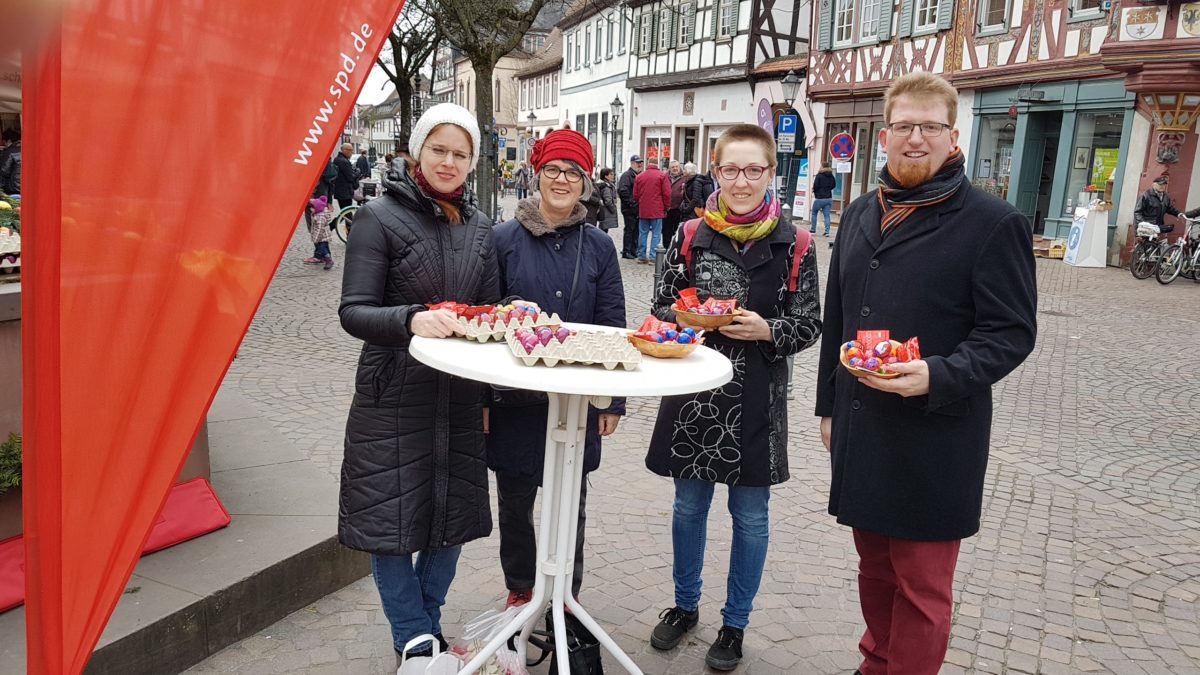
414 474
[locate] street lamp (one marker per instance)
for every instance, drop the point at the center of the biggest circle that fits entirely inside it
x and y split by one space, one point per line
616 114
791 87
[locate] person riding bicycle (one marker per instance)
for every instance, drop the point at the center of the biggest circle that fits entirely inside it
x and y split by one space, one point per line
1155 204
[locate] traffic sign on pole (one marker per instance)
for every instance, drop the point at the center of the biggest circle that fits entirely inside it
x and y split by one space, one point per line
841 147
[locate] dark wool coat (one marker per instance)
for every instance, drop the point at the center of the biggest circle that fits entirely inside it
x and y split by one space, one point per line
629 205
347 180
737 434
960 277
537 263
414 475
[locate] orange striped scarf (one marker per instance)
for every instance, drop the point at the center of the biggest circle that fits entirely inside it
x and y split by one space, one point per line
898 203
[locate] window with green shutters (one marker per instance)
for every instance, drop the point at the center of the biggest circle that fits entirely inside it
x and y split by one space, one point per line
666 28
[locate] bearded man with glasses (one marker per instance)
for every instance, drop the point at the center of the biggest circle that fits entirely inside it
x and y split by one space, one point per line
926 255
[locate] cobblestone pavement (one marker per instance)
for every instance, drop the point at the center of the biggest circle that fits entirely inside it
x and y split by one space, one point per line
1088 560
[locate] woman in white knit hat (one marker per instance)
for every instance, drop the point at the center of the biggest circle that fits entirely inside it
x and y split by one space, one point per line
414 484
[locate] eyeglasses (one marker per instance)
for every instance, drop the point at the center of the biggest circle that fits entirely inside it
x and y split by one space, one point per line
553 172
439 153
730 172
928 129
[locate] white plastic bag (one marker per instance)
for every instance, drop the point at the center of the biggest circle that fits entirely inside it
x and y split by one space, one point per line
438 664
481 630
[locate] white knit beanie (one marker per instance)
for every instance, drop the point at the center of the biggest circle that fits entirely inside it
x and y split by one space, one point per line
445 113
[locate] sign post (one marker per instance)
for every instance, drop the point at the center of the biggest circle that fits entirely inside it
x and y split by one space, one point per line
788 133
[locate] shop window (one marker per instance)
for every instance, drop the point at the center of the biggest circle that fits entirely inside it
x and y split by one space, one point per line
993 158
1094 155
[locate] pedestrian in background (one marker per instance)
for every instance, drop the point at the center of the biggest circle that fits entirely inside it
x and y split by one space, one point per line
629 208
698 191
929 256
10 165
735 434
679 181
550 255
414 483
652 191
346 180
522 181
319 217
608 198
822 190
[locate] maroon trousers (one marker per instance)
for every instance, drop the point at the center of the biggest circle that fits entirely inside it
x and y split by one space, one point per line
905 588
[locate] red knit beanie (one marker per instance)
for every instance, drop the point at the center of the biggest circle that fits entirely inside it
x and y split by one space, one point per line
564 144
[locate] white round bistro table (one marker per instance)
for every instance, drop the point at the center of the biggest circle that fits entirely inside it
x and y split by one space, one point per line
569 388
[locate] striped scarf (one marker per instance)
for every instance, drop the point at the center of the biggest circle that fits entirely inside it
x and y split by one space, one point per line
747 227
898 203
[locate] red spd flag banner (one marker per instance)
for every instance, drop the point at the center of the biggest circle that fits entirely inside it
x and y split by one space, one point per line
170 149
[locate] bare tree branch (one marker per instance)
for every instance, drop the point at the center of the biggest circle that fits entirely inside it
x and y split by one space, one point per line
486 31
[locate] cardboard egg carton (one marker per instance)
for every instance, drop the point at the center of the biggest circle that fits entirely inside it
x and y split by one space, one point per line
482 332
585 347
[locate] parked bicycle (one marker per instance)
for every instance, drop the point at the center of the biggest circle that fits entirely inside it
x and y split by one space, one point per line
343 220
1183 257
1148 251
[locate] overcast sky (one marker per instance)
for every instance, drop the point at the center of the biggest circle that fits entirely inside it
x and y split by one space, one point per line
377 88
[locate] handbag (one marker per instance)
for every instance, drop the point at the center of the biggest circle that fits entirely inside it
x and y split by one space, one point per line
583 649
441 663
358 194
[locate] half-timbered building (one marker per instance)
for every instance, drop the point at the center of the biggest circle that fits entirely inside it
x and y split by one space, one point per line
1061 100
694 70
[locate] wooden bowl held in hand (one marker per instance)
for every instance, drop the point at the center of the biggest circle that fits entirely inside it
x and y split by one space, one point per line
706 321
664 350
863 372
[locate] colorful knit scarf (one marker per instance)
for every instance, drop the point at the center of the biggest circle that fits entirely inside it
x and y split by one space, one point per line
746 227
898 203
455 198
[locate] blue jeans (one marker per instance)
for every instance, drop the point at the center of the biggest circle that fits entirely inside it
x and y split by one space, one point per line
645 226
522 193
747 555
321 250
413 595
820 206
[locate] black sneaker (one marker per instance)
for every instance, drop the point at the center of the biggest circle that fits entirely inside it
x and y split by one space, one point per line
674 625
726 652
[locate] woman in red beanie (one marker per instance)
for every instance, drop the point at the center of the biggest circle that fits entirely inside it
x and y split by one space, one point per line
548 254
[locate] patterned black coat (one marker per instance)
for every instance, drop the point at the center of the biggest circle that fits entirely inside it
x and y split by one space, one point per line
414 474
737 434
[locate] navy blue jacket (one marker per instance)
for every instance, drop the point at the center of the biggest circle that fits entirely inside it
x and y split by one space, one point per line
540 269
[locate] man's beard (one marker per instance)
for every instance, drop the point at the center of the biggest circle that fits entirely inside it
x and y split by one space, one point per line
909 174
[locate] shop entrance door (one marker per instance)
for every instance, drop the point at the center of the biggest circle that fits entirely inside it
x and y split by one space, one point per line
1037 171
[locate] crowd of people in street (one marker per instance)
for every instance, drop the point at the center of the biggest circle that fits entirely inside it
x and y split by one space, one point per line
907 455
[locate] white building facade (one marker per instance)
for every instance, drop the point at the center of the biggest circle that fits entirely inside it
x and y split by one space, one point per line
597 40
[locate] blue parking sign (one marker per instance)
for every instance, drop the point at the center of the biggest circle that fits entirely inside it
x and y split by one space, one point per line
788 124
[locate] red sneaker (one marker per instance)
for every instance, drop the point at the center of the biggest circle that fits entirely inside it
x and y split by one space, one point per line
313 261
518 598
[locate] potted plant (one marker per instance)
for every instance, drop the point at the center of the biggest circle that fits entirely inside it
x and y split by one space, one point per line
10 487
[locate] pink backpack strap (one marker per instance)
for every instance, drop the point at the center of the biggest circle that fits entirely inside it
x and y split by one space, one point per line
689 233
803 243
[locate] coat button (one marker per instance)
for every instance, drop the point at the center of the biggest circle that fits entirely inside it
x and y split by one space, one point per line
874 264
558 247
558 294
866 311
855 405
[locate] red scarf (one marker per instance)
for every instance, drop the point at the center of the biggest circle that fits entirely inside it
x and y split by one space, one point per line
432 192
